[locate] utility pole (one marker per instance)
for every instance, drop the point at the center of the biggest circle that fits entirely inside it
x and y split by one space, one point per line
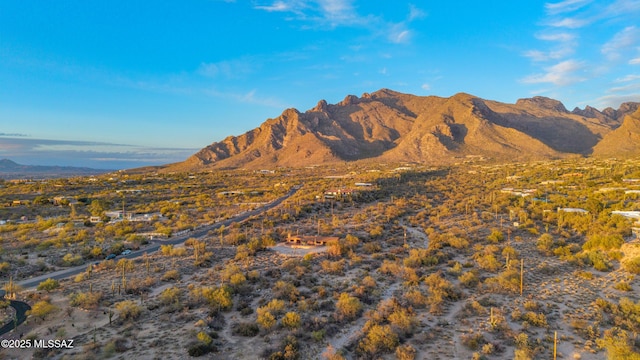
521 275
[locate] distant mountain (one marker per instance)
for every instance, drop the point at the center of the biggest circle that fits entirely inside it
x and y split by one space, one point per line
12 170
392 126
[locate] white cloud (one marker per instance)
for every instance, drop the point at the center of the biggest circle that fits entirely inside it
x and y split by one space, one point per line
615 100
330 14
626 88
383 71
623 40
276 6
623 7
559 53
415 13
398 34
565 6
628 78
249 97
571 23
635 61
228 68
426 87
561 74
562 37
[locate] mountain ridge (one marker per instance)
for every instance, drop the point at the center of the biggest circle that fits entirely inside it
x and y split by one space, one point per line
387 125
9 169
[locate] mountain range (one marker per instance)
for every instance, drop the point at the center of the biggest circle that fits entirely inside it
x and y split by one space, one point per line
12 170
390 126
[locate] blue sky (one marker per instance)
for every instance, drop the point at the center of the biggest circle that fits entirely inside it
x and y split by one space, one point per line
121 84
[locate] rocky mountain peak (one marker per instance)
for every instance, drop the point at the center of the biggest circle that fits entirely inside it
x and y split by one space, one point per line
542 102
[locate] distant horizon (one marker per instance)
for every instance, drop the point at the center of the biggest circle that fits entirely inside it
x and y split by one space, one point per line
136 84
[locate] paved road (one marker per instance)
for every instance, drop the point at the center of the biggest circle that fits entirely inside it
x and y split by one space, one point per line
21 314
198 233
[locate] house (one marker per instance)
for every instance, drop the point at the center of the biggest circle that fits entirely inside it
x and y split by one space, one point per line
363 184
627 214
573 210
315 240
338 192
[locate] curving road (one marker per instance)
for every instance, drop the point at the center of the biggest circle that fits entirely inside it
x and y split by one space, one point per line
21 315
198 233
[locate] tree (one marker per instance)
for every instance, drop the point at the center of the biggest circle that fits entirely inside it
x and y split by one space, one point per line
41 309
265 319
48 285
380 338
291 320
348 306
98 207
128 309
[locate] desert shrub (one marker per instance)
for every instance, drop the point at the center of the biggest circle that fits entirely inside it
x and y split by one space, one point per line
245 329
170 296
200 349
599 260
285 290
71 260
488 262
403 321
535 319
545 243
405 352
87 300
347 307
371 248
219 298
49 285
603 242
379 339
468 279
506 281
632 265
265 319
619 345
415 298
473 341
41 309
496 236
291 320
128 309
333 267
623 286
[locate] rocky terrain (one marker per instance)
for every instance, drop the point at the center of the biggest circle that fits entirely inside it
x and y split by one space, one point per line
391 126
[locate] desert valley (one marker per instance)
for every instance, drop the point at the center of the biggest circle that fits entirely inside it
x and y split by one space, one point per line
386 226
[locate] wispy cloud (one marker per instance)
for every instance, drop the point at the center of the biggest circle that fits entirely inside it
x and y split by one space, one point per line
565 6
249 97
623 40
230 69
628 78
565 46
569 22
615 100
13 135
399 34
626 88
539 56
415 13
561 74
564 60
276 6
331 14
